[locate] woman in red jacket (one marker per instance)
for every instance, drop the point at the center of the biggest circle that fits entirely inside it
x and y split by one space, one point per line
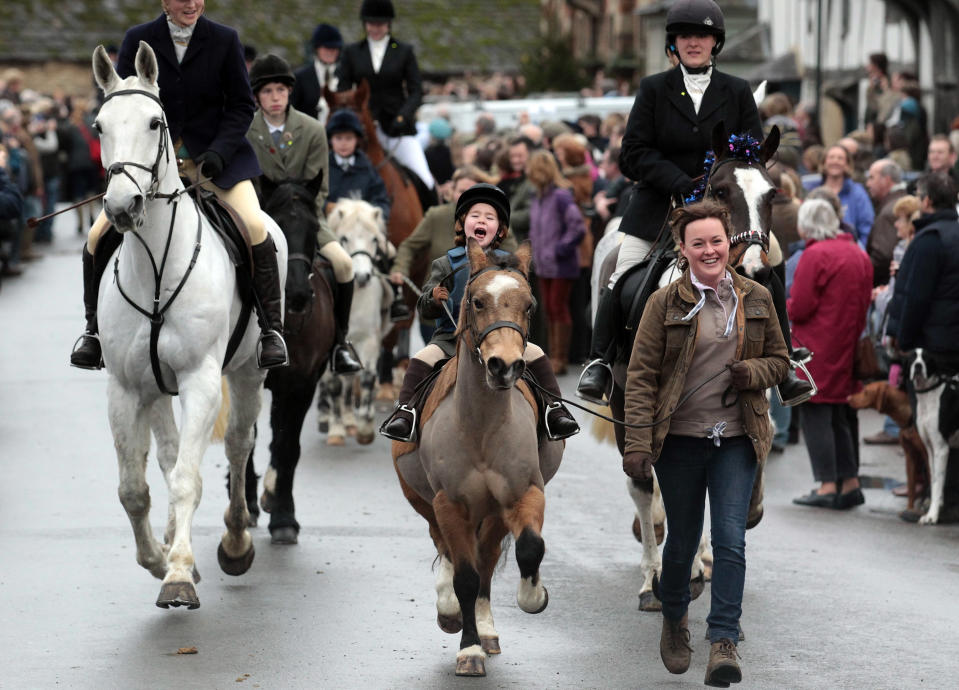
828 303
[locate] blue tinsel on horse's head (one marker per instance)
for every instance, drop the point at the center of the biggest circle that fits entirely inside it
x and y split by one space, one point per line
741 147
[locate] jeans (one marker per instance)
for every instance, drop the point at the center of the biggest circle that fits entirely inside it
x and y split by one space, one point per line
688 468
782 416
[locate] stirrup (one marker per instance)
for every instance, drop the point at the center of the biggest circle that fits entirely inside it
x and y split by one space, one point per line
259 349
792 402
96 337
555 405
598 362
400 408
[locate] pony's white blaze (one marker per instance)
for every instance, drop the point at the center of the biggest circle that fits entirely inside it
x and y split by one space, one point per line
501 283
752 259
754 186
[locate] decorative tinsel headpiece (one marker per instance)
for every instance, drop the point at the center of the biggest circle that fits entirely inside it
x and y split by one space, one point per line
742 147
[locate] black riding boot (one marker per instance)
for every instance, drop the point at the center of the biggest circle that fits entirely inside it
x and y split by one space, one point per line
398 309
596 381
344 358
401 424
793 390
266 282
559 422
86 351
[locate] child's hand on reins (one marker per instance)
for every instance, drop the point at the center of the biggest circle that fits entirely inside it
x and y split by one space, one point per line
440 294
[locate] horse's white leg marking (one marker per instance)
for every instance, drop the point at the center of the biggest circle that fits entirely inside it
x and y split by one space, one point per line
471 652
446 602
499 284
529 595
484 619
701 556
131 438
927 423
168 443
245 387
651 562
200 396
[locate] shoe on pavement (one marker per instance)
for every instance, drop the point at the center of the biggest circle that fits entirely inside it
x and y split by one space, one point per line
850 499
723 667
674 647
817 500
881 439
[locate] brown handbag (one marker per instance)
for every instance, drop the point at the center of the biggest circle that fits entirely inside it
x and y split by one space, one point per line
865 364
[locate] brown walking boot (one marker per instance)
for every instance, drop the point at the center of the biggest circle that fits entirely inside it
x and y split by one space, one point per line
674 646
723 668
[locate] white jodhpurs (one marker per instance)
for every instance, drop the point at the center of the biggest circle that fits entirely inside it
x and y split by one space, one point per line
407 150
631 252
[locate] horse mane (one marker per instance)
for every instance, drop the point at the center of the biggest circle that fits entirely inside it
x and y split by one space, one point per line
286 193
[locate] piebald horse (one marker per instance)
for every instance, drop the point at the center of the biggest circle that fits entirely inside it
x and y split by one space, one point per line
739 181
479 471
165 323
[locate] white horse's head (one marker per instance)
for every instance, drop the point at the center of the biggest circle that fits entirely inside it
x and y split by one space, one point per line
134 140
361 230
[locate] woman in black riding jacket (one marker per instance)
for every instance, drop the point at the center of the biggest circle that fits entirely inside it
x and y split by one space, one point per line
667 136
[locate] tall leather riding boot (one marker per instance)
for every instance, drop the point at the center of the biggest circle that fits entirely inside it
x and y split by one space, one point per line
793 390
559 422
398 309
266 282
596 381
344 358
401 424
86 351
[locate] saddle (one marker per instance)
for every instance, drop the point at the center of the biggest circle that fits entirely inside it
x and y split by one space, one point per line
633 290
229 226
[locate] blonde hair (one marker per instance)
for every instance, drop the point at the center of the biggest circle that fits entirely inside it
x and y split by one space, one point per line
542 171
907 207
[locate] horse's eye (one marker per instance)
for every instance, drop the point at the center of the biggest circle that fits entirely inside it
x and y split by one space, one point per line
720 193
477 303
155 123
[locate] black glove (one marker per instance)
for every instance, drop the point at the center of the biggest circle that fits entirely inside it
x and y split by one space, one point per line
210 164
396 127
638 465
740 375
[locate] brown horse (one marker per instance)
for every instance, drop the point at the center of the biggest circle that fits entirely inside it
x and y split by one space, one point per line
479 470
406 209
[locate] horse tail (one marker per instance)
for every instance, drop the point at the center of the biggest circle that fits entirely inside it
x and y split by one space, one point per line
223 416
602 429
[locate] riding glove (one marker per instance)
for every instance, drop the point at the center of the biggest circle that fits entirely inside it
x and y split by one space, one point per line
740 375
440 294
210 164
638 465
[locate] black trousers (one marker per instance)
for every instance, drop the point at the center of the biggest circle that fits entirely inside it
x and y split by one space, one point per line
831 432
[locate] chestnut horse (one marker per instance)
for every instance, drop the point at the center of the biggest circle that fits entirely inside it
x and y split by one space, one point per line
479 471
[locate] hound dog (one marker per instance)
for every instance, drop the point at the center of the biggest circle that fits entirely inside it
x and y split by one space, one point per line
891 401
936 383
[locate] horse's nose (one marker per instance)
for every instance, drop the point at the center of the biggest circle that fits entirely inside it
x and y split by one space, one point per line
502 374
127 215
361 278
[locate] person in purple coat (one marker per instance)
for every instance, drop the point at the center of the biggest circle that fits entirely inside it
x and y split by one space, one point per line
556 228
208 103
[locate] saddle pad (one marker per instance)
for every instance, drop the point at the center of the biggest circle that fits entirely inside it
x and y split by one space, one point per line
229 226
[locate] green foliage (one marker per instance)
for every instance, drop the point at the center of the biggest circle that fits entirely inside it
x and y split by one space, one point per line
549 65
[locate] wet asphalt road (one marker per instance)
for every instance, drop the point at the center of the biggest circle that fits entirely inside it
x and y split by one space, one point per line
844 600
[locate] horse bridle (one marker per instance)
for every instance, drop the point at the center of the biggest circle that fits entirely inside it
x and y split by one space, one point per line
479 337
760 237
162 151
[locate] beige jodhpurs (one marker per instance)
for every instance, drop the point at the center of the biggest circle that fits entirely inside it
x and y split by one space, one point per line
241 196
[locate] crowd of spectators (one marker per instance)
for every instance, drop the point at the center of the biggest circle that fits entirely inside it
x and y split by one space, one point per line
48 154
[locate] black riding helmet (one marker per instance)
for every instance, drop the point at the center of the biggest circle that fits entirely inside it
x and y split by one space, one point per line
695 17
483 193
268 69
344 121
377 11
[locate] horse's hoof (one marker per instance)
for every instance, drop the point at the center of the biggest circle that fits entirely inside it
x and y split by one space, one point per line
336 440
490 645
637 530
178 594
351 430
323 426
649 602
449 624
754 517
471 662
365 439
196 575
545 603
696 586
284 535
234 566
267 502
658 528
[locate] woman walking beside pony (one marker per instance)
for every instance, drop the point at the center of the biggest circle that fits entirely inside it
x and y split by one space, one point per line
716 431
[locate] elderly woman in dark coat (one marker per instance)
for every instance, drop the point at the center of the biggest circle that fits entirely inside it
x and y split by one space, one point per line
206 96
